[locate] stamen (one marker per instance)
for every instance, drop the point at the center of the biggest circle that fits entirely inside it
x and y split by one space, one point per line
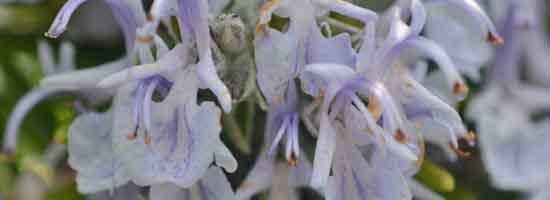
295 138
374 107
133 135
400 137
470 137
279 135
460 89
292 161
147 139
147 104
145 39
461 153
422 153
494 39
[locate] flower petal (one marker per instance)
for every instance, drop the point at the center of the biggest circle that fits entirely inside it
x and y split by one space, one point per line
91 154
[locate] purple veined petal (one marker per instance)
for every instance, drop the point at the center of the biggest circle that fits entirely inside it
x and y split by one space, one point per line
91 154
18 114
182 145
275 60
418 47
62 19
473 10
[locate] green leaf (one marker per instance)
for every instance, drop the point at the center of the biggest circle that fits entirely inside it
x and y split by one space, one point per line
28 67
65 192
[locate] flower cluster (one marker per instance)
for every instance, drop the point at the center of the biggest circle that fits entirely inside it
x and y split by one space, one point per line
369 98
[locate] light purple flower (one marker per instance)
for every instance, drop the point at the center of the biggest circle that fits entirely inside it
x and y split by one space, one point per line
181 141
514 145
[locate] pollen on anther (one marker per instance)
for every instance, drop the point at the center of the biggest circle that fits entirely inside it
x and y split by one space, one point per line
460 153
147 139
470 137
460 89
132 135
400 136
145 39
292 161
494 39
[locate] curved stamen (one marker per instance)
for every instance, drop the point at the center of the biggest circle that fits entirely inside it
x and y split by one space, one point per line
17 117
279 136
138 99
147 105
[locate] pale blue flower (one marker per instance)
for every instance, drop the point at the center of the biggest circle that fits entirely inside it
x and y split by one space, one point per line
398 110
181 140
281 57
514 145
